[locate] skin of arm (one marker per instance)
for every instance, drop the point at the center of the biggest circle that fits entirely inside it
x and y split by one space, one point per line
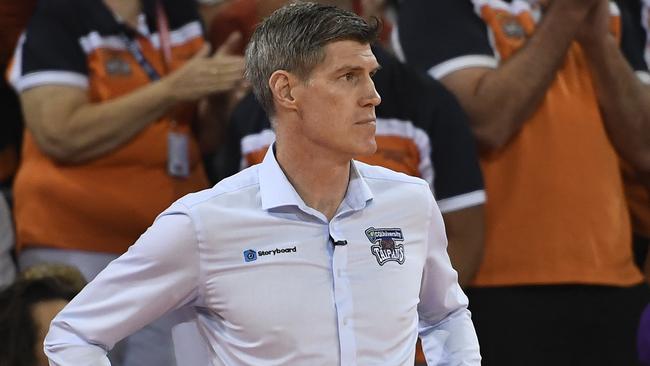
72 130
213 112
623 99
465 232
498 101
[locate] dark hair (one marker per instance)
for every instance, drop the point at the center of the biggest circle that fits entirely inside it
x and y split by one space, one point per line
17 328
293 38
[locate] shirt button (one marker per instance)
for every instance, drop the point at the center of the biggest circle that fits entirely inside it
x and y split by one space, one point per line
345 321
339 273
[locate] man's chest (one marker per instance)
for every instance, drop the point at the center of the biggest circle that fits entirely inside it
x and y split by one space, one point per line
276 272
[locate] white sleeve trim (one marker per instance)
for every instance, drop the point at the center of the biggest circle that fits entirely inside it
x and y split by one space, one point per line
644 76
462 201
397 45
463 62
40 78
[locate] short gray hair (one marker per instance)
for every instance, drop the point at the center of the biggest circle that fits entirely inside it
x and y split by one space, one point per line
293 38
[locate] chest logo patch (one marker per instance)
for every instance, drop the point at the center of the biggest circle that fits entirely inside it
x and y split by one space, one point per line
387 244
116 66
511 26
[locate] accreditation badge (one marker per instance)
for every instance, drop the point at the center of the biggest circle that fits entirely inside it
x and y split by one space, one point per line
178 154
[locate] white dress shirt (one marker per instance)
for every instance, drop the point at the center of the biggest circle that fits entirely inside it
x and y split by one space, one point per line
269 287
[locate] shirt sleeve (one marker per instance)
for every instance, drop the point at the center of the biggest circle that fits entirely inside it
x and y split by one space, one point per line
442 36
159 273
49 52
446 329
458 180
452 168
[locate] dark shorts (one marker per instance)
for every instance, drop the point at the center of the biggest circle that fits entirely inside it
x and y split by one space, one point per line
570 325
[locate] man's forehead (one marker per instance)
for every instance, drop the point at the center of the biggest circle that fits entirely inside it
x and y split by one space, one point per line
346 51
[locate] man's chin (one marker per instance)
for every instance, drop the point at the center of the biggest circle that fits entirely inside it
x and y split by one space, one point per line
370 149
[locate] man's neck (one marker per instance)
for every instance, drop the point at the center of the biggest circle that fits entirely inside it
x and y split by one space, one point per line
128 10
320 180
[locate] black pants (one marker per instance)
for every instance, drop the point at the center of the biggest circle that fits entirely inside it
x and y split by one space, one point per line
558 325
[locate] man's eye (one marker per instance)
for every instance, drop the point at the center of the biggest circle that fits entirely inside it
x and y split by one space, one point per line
350 77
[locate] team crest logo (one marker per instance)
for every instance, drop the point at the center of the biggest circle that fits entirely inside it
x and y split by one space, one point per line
511 27
117 66
387 244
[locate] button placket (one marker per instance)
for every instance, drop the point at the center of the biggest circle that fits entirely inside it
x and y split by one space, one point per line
343 300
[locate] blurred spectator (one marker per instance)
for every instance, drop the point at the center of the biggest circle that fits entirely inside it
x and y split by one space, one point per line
207 9
13 17
643 343
27 308
553 103
7 238
638 199
112 135
243 16
68 276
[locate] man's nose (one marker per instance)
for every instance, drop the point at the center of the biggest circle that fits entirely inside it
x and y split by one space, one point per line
372 98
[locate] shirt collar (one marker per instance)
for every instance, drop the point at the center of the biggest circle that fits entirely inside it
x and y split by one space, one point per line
277 191
359 193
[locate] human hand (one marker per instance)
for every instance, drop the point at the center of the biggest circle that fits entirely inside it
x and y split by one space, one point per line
203 75
595 26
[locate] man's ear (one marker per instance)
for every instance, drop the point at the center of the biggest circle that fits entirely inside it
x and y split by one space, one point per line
281 83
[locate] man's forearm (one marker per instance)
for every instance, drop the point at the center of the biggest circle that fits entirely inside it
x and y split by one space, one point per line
504 98
465 235
624 102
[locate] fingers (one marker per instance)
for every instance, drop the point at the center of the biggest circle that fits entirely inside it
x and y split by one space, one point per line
230 46
204 75
219 84
227 66
203 52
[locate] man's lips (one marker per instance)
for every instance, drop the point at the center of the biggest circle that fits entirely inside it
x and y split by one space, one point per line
367 121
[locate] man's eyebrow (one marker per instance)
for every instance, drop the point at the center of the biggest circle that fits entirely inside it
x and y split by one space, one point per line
348 68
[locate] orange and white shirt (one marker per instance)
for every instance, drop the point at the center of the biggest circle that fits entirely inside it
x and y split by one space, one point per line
556 211
104 204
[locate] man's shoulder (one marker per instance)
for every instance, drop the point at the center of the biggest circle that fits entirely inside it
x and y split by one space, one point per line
240 184
378 173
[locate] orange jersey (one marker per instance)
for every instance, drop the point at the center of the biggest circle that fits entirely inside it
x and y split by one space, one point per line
556 211
104 204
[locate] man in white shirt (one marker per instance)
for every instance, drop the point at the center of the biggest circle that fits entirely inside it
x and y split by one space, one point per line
309 258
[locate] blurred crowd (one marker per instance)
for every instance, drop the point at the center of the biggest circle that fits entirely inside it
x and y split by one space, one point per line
529 119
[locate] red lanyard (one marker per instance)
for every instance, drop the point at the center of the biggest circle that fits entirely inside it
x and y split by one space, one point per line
163 32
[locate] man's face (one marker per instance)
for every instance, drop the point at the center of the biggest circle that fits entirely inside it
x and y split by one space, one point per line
337 102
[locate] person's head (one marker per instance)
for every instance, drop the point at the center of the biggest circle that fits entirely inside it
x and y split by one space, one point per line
311 65
293 39
26 309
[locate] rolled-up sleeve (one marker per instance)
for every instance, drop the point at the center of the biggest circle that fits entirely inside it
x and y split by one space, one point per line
446 329
159 273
